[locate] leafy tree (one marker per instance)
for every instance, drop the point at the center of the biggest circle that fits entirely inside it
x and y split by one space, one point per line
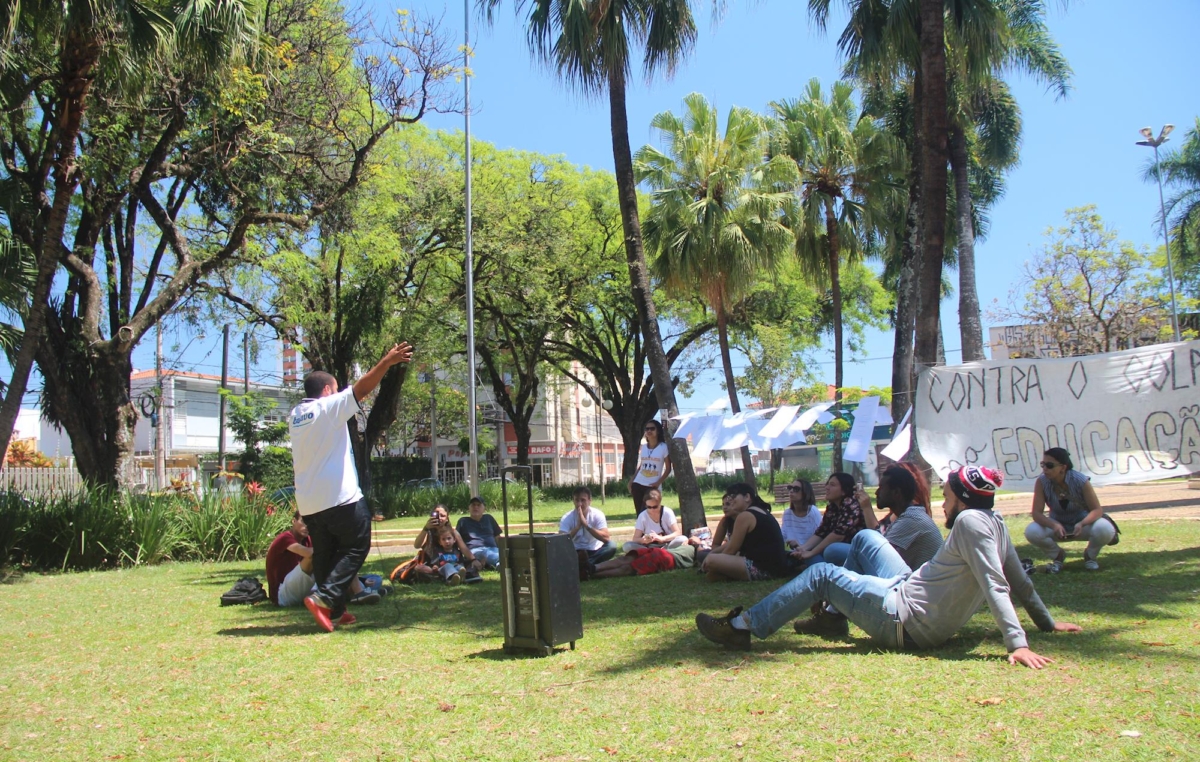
848 194
1087 292
53 59
1181 172
591 44
246 416
716 221
199 156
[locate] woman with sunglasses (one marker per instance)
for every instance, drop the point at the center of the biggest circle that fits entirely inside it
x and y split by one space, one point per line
656 526
1075 512
654 466
802 517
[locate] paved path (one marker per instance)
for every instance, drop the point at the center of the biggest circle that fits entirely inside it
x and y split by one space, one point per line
1148 501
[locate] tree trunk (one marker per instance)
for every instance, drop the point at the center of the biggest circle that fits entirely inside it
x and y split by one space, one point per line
690 504
835 287
89 394
906 311
931 134
970 325
80 54
731 386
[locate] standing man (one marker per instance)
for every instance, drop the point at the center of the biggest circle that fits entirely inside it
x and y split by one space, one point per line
327 491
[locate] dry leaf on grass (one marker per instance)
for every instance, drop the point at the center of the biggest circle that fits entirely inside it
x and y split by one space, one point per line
1131 734
609 750
444 707
1157 643
989 701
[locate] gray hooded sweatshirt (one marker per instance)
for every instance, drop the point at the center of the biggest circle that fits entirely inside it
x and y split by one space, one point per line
977 563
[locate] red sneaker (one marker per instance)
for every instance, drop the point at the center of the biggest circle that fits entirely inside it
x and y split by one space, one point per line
320 612
347 618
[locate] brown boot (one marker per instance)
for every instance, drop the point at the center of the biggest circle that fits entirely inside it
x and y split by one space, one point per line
823 624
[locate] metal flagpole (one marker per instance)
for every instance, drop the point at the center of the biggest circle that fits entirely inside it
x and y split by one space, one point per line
473 468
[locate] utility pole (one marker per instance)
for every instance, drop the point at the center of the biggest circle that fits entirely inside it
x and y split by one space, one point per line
160 442
246 361
469 267
433 452
224 385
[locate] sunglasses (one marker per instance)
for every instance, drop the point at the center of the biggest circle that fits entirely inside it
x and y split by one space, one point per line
652 428
794 488
1050 466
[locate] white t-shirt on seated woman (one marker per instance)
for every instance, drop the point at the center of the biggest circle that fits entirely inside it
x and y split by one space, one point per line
650 464
800 528
650 526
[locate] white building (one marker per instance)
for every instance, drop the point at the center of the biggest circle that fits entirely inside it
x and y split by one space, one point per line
190 418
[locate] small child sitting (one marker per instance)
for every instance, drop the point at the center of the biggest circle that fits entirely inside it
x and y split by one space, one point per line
448 563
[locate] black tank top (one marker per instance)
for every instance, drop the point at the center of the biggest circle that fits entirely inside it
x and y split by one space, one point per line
764 544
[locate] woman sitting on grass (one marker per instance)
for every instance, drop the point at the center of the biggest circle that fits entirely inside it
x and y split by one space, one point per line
429 547
843 519
656 526
755 549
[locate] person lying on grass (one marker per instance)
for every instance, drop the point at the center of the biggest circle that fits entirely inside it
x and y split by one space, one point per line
924 609
642 560
755 549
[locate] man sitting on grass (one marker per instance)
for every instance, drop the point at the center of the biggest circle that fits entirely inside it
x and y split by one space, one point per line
588 529
925 608
289 568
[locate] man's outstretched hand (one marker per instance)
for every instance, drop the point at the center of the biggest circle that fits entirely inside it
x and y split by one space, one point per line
399 353
1028 658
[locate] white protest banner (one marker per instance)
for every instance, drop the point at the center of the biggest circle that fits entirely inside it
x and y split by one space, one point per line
1124 417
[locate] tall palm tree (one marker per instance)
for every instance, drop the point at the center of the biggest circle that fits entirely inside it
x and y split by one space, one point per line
984 116
591 44
716 221
849 192
90 39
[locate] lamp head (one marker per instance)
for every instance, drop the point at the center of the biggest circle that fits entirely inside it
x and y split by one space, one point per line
1147 133
606 404
1166 130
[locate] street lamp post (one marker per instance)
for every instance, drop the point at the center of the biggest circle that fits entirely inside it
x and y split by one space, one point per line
607 405
1154 143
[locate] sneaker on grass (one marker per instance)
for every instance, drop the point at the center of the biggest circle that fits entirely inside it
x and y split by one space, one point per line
720 630
366 597
319 608
347 618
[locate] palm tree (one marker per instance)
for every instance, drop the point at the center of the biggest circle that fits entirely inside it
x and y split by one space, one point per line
984 116
1181 172
90 39
849 193
716 221
591 45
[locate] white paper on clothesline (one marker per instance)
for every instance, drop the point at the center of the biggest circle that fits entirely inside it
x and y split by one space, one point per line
687 424
883 416
900 445
720 403
784 416
734 433
709 428
860 433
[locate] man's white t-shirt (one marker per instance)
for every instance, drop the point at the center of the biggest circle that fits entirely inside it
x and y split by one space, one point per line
321 454
650 464
584 539
650 526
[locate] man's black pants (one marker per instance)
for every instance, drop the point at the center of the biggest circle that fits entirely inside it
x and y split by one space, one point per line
341 540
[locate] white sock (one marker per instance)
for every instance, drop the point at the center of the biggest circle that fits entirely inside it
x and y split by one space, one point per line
739 622
829 609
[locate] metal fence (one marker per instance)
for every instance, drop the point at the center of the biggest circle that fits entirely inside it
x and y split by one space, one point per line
67 481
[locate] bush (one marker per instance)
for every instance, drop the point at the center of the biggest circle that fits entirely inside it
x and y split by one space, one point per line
405 501
99 529
275 469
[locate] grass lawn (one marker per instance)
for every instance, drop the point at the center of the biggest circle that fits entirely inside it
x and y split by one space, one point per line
143 664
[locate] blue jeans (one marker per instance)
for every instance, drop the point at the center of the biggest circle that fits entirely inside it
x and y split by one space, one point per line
489 556
835 553
602 553
868 601
870 553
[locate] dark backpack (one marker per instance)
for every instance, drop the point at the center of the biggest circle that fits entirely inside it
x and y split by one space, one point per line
245 590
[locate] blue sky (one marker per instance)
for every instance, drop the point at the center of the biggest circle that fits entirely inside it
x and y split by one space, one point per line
1131 70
